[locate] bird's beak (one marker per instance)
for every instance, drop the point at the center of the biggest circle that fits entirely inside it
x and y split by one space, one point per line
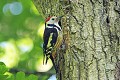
59 18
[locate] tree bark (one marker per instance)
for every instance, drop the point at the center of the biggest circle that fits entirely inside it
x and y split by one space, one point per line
91 38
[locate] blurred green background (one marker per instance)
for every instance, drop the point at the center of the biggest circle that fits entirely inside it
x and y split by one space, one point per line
21 31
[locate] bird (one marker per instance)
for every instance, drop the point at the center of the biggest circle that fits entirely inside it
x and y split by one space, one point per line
52 38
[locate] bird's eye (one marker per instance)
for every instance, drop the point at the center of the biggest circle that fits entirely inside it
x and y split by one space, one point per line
52 18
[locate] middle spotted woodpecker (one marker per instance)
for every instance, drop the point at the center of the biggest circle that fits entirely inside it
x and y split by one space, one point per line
52 38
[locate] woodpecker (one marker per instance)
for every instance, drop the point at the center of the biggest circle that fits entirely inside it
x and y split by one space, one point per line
52 38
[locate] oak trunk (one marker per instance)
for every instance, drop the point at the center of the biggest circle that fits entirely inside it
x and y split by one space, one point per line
91 38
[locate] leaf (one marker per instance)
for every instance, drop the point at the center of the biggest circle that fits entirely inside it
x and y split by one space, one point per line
20 76
11 77
3 77
32 77
1 63
3 68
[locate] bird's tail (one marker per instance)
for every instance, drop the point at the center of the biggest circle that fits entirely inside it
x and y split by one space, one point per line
47 55
51 57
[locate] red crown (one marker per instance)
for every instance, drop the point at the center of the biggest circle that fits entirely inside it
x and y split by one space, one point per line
47 19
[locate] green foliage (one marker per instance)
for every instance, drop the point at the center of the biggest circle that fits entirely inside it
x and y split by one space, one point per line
31 77
11 77
21 41
20 76
3 77
17 76
21 31
3 68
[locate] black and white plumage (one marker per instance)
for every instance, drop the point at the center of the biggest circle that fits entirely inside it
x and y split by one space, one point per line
51 37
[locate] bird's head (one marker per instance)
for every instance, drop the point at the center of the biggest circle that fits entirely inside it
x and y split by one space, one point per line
52 20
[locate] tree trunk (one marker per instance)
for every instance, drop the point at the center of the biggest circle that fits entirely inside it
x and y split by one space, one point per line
91 38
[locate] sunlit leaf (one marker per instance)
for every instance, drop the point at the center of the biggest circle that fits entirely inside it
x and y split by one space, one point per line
32 77
3 68
10 77
20 76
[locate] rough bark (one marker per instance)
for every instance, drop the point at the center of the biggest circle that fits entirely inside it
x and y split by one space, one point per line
91 36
